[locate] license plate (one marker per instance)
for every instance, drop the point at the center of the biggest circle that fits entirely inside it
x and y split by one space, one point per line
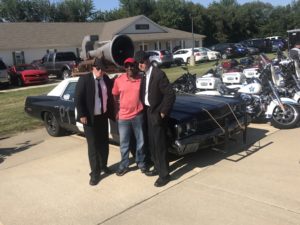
203 84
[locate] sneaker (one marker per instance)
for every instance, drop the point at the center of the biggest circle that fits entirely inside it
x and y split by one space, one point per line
121 172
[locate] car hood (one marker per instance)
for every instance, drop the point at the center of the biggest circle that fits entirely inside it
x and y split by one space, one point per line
202 107
33 72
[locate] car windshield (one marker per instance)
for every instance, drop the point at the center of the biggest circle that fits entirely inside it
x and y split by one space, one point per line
65 56
206 49
165 52
25 67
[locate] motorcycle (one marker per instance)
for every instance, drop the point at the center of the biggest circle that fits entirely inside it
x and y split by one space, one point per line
263 100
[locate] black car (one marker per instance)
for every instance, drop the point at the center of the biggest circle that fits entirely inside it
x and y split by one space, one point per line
264 45
195 121
228 50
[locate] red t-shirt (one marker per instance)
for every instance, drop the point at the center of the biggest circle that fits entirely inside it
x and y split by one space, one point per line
129 92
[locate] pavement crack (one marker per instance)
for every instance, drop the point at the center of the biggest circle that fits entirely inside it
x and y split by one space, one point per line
150 197
252 199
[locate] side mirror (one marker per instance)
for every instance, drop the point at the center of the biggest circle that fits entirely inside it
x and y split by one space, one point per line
66 97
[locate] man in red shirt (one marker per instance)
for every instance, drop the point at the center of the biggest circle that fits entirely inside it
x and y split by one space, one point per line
130 116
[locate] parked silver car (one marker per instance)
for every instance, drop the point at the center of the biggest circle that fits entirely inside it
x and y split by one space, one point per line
161 57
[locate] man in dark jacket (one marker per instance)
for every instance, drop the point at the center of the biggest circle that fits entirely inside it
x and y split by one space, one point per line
94 104
158 97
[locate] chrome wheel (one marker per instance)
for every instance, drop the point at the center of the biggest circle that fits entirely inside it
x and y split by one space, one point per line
285 119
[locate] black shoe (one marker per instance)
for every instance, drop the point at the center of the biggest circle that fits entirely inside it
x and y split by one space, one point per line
94 181
106 170
162 181
151 173
121 172
144 170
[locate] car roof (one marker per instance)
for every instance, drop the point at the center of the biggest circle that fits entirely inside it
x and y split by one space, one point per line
59 89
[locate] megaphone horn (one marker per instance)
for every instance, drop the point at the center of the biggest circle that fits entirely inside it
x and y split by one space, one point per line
116 51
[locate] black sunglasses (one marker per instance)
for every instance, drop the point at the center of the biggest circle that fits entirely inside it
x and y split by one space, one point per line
127 65
142 61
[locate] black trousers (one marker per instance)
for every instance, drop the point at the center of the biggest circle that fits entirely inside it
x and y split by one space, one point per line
98 146
158 143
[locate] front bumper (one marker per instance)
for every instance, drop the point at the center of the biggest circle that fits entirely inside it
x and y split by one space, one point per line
208 139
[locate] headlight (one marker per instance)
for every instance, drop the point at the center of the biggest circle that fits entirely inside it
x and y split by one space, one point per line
186 129
180 130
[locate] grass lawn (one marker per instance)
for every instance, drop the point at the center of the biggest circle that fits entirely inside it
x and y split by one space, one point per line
13 119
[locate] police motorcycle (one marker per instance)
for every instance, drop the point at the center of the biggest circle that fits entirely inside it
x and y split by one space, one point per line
209 83
230 73
289 79
263 100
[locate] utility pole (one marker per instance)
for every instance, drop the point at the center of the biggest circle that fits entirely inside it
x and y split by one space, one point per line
192 58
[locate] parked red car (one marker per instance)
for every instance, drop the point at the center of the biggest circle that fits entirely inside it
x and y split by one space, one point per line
27 74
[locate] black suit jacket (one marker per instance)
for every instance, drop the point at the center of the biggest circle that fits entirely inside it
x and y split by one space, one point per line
85 97
161 95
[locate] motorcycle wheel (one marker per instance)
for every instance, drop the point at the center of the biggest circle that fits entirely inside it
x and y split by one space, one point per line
285 120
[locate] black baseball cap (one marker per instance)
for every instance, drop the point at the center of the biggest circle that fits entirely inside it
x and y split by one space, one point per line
141 56
99 64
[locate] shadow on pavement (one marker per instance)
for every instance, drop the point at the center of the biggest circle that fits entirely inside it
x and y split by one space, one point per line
6 152
235 152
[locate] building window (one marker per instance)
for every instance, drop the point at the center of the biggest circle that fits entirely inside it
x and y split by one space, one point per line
197 44
168 46
143 47
142 26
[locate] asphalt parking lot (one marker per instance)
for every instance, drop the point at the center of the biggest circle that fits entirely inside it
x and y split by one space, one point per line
44 180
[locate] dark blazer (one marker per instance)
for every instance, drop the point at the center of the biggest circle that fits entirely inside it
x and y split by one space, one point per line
85 97
161 95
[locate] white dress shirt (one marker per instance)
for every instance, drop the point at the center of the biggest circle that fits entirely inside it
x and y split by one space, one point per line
148 75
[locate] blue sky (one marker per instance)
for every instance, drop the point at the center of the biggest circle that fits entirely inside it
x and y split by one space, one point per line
112 4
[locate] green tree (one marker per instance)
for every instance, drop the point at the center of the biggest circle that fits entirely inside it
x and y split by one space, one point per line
137 7
73 11
25 11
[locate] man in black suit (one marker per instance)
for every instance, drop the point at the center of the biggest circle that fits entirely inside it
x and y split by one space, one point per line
158 97
94 104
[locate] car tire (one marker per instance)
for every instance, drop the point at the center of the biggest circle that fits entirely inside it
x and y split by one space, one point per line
20 82
51 125
66 74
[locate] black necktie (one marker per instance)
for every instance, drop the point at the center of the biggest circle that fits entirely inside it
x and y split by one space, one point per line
100 95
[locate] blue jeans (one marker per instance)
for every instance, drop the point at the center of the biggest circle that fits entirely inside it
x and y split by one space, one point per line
125 130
